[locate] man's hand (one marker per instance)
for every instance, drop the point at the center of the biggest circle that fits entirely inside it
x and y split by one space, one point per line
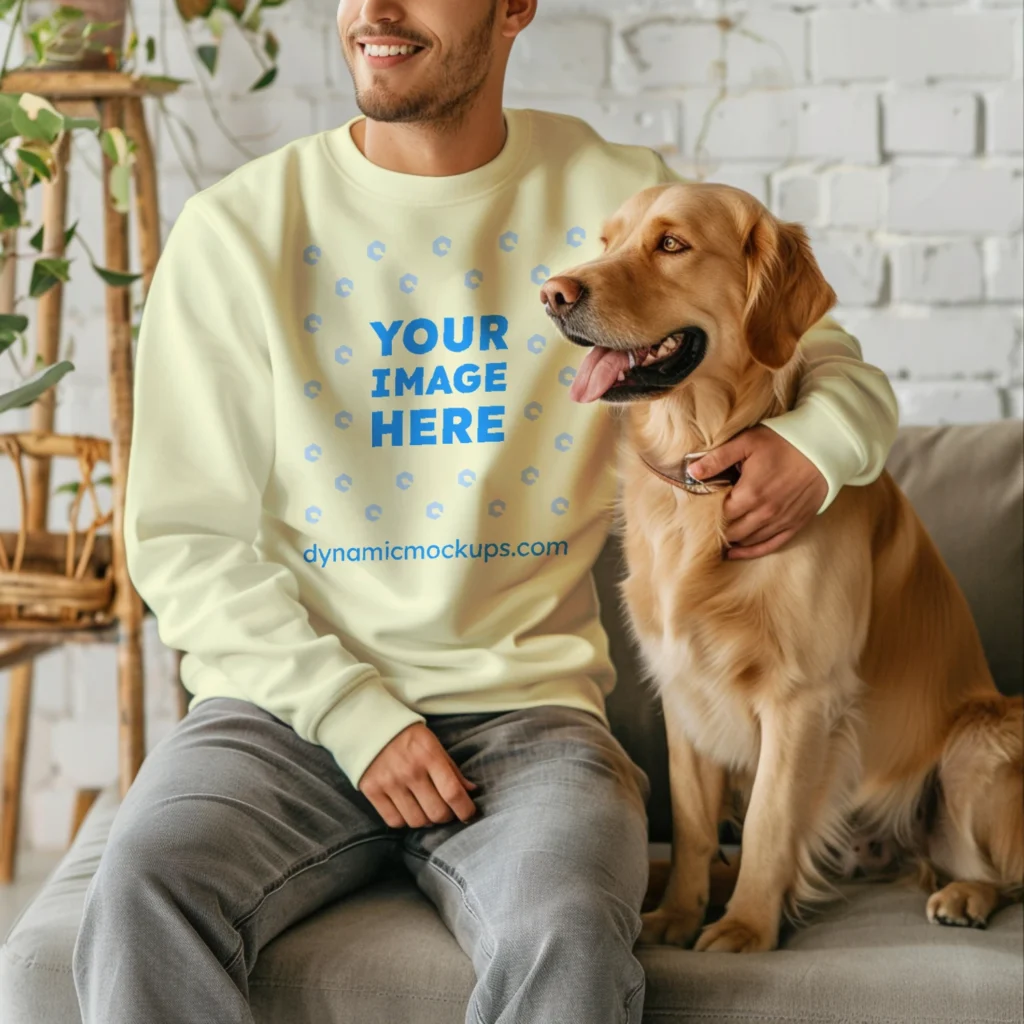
779 491
414 782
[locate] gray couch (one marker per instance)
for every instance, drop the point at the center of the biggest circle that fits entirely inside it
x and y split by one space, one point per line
384 956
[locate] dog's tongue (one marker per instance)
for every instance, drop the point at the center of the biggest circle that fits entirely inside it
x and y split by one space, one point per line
597 373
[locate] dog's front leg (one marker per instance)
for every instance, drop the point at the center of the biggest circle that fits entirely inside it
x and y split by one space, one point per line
791 770
697 787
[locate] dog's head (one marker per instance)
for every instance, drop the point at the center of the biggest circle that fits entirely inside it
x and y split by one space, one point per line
693 279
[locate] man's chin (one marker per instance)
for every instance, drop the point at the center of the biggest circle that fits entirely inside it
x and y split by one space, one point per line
381 105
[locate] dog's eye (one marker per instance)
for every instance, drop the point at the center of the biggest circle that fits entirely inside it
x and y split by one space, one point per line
672 244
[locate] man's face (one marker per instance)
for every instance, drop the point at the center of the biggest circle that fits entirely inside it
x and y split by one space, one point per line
421 61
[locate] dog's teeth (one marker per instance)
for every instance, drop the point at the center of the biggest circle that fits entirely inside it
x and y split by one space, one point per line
621 376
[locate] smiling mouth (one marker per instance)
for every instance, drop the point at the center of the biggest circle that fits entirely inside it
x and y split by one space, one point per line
624 375
388 54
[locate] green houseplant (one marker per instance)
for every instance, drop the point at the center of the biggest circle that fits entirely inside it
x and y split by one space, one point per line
90 34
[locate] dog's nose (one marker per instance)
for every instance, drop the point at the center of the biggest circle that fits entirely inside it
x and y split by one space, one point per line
560 294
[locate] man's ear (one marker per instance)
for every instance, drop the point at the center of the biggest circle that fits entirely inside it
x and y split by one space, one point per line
786 291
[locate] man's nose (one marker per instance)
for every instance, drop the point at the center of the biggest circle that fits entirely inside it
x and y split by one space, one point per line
560 294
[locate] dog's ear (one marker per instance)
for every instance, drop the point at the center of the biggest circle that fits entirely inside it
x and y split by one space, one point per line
786 292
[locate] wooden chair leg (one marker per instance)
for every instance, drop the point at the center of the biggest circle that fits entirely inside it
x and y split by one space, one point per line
41 416
147 206
84 799
128 604
19 703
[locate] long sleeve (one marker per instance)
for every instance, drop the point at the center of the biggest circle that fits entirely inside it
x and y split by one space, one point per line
202 454
846 416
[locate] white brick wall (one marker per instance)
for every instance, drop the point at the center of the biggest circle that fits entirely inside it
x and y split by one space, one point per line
892 128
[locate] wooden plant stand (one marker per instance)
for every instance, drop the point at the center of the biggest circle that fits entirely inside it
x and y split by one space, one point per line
115 99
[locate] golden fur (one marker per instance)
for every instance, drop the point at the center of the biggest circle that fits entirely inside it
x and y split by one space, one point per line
839 680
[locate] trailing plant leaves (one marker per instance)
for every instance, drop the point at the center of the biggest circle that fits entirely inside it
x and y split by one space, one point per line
37 160
116 278
44 126
271 47
120 187
38 383
88 124
12 323
265 79
208 55
46 273
150 49
36 241
10 212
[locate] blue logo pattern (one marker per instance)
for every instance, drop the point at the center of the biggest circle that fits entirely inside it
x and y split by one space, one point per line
343 354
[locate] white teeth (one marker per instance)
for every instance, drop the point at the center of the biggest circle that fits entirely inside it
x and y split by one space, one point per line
373 50
622 376
632 363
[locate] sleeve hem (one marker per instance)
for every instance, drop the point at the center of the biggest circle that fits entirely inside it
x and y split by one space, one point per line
361 724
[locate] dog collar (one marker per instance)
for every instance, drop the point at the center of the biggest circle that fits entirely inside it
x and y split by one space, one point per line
727 478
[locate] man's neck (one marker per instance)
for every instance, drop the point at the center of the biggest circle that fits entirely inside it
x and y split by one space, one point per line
434 150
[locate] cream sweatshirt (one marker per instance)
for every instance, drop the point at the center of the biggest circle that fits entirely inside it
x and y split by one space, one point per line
358 492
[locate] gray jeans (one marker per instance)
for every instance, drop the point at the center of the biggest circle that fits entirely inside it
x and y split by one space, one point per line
235 828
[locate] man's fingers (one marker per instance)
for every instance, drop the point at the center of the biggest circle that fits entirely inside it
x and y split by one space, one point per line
451 785
760 549
429 798
766 533
741 530
410 810
387 810
719 460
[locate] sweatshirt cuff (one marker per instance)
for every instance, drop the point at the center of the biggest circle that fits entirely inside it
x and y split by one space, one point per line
814 432
362 724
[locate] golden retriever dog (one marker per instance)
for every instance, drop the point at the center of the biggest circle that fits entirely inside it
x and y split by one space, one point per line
836 685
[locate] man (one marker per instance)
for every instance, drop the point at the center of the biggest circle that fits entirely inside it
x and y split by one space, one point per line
362 502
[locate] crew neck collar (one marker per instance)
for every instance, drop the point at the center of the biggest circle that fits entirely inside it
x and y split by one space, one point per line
418 188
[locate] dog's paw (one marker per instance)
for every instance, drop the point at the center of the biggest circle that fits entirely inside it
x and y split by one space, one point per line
962 905
669 928
733 935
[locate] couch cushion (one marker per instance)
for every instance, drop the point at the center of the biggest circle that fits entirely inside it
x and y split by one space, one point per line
967 485
383 955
